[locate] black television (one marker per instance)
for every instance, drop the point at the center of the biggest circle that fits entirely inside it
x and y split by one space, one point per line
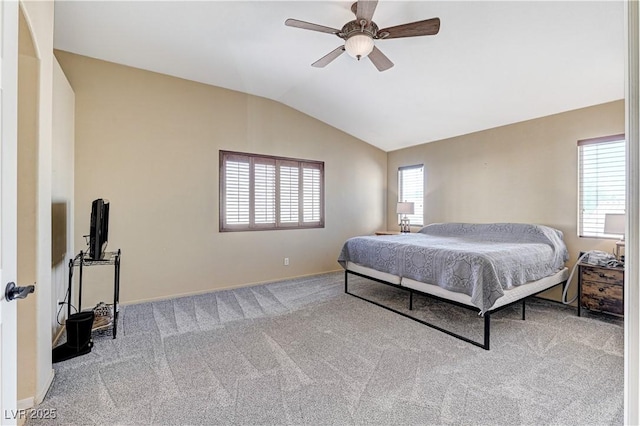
99 232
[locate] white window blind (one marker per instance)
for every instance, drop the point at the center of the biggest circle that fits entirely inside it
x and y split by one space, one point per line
411 189
601 183
264 192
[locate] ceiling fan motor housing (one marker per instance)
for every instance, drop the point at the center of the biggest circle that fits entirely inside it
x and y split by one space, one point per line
352 28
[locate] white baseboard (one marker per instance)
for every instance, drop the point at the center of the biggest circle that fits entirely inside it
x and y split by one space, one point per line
43 392
25 404
32 401
29 403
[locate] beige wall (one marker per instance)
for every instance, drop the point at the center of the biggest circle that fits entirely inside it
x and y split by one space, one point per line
525 172
62 183
149 143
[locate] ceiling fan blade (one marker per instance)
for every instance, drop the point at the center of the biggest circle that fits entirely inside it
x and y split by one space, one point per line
328 58
380 60
309 26
365 9
413 29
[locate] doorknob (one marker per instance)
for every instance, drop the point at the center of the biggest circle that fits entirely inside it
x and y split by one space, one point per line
14 292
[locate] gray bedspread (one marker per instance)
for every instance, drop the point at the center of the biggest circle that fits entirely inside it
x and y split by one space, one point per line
480 260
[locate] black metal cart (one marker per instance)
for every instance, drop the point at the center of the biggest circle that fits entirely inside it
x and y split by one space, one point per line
83 260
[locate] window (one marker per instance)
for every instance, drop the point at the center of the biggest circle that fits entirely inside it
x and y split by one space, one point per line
259 192
411 189
601 163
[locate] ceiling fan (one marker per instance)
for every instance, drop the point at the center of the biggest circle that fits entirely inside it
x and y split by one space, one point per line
360 33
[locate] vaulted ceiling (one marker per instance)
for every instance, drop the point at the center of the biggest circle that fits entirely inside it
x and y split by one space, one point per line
492 63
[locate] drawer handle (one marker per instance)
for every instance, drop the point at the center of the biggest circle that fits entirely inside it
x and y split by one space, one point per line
601 275
601 303
601 289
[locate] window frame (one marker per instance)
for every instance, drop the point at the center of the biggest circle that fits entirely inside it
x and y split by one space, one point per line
581 202
402 199
277 161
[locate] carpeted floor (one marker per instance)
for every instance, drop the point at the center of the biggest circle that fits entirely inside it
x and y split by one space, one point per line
303 352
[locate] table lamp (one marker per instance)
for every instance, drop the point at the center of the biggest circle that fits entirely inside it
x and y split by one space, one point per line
405 208
614 225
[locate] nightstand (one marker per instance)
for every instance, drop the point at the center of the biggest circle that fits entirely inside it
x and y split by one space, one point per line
601 289
387 233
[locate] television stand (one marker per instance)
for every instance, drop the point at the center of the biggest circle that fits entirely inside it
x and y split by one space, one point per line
83 260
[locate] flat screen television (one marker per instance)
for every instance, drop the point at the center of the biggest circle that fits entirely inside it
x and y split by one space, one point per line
99 232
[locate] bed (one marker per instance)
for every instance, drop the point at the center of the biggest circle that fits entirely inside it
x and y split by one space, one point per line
482 267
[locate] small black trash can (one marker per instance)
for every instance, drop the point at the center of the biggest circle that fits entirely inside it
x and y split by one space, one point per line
78 327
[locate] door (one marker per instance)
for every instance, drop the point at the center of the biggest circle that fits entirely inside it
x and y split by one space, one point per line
8 206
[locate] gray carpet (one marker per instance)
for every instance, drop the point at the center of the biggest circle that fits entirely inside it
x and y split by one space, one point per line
303 352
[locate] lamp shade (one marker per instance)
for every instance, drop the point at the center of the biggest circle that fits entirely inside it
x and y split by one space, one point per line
359 45
614 224
405 208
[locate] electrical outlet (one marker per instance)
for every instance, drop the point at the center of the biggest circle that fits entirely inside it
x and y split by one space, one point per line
286 261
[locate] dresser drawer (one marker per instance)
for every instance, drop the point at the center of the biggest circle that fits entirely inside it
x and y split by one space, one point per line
603 296
591 273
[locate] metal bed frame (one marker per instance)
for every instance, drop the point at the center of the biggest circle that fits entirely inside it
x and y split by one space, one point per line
487 315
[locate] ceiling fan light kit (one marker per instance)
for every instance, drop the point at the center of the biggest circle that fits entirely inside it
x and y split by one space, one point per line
360 33
359 45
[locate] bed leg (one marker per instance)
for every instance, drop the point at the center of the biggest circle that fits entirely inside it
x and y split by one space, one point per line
487 329
523 309
346 279
410 300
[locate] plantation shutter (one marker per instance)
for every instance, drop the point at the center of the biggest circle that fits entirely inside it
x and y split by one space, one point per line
259 192
601 182
237 187
289 193
411 189
311 193
264 192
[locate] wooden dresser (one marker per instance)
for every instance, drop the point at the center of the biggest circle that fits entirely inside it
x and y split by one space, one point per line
601 289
